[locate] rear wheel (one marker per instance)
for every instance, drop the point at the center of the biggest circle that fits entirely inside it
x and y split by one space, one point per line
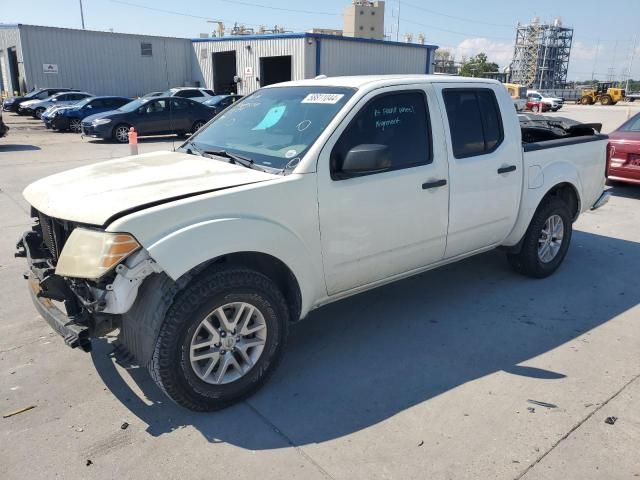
221 339
121 133
197 126
586 100
546 242
75 125
606 100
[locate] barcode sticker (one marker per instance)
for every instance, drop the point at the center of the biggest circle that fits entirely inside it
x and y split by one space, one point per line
329 98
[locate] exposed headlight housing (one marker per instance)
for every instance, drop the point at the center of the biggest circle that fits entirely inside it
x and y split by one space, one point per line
101 121
92 253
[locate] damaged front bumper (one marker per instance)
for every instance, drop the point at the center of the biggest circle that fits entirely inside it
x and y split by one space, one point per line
45 287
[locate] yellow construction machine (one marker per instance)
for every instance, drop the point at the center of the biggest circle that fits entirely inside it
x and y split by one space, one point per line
603 92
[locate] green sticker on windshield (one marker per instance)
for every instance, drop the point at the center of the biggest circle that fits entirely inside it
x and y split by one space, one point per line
272 117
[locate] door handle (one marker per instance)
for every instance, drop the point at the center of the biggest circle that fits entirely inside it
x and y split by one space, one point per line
510 168
434 184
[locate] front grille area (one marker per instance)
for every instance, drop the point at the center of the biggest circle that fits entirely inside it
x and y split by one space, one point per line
54 232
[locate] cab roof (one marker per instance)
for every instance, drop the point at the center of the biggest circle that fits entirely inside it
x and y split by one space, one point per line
361 81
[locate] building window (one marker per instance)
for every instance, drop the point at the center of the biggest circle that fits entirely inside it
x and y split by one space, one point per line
146 49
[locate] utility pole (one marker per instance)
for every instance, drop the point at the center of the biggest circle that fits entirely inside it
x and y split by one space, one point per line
81 15
633 54
398 24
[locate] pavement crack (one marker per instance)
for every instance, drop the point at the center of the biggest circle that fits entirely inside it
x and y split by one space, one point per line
297 448
575 427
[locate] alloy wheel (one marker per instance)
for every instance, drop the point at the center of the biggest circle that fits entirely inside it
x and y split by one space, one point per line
550 239
75 125
227 343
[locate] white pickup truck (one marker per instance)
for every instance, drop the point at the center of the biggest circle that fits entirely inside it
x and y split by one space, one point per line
298 195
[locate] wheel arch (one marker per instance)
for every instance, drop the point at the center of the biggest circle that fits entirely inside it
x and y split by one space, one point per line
265 246
565 188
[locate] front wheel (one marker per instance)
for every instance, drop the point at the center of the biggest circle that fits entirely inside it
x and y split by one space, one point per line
546 242
221 339
38 113
75 125
121 133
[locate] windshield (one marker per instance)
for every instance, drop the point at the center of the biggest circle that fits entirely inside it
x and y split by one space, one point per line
33 93
132 106
274 126
83 102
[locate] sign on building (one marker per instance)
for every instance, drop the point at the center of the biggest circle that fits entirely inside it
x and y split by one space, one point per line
50 68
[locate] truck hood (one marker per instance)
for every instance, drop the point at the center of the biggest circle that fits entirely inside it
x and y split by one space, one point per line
96 193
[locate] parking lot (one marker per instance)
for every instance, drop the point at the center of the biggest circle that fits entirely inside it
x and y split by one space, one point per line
467 371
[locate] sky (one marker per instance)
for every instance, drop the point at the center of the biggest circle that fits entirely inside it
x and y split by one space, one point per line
602 44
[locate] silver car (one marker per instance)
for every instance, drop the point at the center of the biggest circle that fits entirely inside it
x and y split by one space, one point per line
37 107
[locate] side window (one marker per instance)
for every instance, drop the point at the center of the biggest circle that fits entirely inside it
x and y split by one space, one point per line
64 97
155 107
179 104
399 121
474 121
210 92
43 95
189 94
99 103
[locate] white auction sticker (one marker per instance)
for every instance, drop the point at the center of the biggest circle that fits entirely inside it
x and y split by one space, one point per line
330 98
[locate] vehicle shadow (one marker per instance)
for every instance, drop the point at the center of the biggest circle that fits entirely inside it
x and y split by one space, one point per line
4 148
357 362
625 190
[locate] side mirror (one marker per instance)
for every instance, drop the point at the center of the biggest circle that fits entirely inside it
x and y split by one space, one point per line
365 159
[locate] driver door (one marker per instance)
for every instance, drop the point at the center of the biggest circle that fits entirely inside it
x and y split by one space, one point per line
153 118
374 226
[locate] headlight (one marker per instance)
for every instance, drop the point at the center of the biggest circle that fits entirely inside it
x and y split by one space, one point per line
101 121
92 253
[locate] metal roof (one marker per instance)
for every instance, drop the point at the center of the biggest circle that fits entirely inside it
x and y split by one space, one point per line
232 38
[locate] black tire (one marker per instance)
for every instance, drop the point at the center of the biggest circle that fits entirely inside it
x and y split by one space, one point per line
606 100
116 133
170 366
75 125
197 126
527 261
38 113
586 100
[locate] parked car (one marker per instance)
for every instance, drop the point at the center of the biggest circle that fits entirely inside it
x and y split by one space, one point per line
3 127
149 116
197 94
11 104
623 158
554 103
53 110
37 107
220 102
203 257
70 118
536 107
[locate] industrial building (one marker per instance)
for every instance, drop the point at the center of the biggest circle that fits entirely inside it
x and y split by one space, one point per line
102 63
243 64
541 54
107 63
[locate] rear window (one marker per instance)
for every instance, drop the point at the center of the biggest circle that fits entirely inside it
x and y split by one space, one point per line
474 121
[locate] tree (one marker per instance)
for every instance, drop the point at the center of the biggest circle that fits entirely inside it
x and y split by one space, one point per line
477 66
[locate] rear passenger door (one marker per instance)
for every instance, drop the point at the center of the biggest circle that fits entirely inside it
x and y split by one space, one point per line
392 220
485 165
181 114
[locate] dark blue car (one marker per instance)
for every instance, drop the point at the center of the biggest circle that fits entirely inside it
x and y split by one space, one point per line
71 118
149 116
